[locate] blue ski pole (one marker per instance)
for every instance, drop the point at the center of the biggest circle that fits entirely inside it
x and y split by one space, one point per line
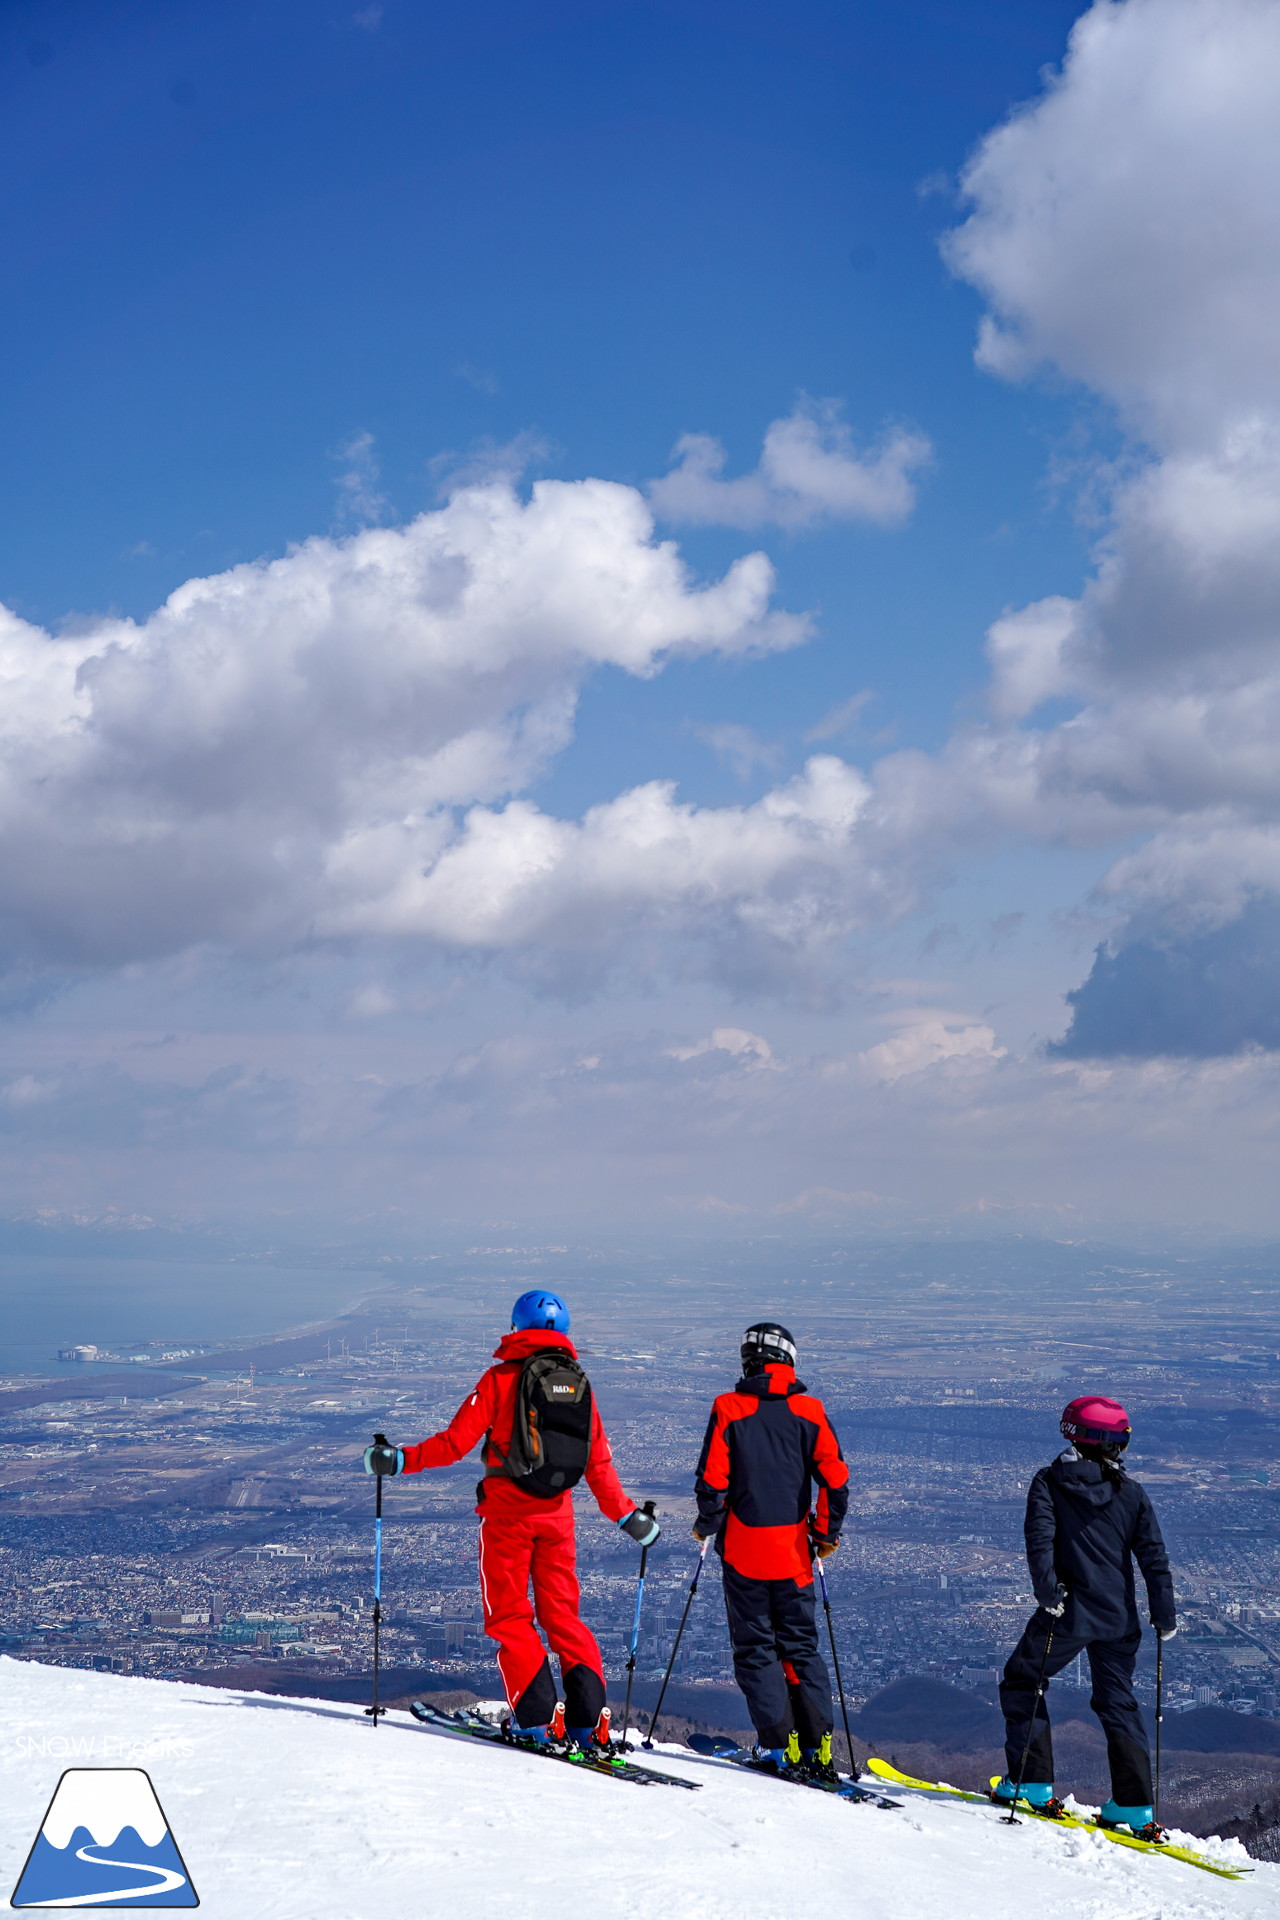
635 1640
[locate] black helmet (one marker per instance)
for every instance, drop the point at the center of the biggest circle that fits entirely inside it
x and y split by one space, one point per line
764 1343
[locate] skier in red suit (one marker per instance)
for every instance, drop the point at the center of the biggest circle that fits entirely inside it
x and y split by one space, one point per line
528 1536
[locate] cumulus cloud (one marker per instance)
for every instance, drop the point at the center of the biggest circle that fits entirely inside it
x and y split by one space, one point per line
928 1039
1213 993
784 873
278 750
810 471
1026 654
738 1042
1125 229
1126 224
337 745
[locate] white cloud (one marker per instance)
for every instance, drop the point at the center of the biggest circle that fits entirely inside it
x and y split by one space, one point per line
738 1042
487 461
1198 880
1026 654
928 1039
359 502
278 748
841 719
26 1089
810 471
1126 225
276 756
275 759
1126 230
782 872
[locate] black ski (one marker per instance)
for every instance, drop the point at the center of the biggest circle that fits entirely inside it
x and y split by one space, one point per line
610 1764
716 1747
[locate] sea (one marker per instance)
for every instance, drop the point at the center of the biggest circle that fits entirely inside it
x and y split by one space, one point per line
52 1301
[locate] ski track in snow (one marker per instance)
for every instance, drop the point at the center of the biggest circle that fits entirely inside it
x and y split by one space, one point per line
300 1810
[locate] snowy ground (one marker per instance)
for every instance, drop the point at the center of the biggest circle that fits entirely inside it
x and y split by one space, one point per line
298 1810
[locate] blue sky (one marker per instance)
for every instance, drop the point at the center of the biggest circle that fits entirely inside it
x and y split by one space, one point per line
323 884
247 236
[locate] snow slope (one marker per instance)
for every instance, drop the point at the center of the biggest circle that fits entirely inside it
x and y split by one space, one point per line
300 1810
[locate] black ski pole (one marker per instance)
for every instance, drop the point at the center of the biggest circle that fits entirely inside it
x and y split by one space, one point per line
1159 1716
647 1744
1011 1819
635 1637
375 1712
835 1661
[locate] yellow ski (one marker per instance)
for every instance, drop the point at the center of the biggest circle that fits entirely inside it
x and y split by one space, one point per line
883 1771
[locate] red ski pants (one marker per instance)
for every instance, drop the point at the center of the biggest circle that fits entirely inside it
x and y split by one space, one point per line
516 1549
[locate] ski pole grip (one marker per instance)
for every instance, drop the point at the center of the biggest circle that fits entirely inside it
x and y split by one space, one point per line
381 1458
650 1507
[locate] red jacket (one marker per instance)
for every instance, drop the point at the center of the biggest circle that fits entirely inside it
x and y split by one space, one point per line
488 1414
766 1445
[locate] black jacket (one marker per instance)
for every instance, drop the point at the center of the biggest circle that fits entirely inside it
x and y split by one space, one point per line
1084 1530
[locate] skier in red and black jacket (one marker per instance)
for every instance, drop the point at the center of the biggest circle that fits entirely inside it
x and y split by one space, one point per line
766 1445
527 1536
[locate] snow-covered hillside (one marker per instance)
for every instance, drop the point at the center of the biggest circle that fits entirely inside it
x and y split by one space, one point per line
298 1810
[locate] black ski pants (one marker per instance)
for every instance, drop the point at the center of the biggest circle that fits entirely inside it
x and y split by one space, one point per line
774 1631
1112 1699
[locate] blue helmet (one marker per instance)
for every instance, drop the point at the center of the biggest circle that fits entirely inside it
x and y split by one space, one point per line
542 1310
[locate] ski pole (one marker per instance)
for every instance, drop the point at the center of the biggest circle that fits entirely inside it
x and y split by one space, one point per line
375 1712
1011 1819
635 1638
1155 1811
835 1661
647 1744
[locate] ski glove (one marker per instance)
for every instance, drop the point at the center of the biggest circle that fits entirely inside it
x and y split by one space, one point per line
382 1458
825 1548
642 1527
1166 1633
1059 1607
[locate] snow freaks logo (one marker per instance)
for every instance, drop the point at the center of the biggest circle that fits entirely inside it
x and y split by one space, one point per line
104 1843
113 1749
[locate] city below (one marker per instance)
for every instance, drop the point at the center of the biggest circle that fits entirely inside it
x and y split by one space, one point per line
211 1520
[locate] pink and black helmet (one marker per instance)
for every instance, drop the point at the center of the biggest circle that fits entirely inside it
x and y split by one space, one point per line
1092 1421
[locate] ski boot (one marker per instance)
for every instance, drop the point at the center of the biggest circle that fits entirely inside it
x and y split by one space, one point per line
550 1738
1139 1820
817 1764
1037 1794
792 1765
769 1759
593 1740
